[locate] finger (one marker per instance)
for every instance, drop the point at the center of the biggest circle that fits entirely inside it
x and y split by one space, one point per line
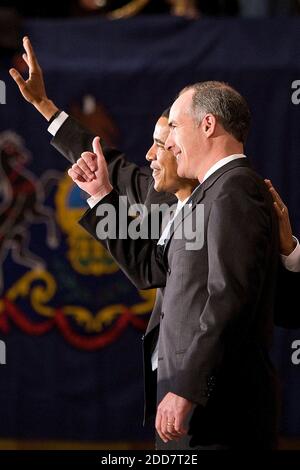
101 162
85 169
167 428
32 60
179 425
171 433
274 193
278 210
271 188
17 78
75 177
170 427
79 172
158 426
268 183
25 58
90 159
277 198
97 148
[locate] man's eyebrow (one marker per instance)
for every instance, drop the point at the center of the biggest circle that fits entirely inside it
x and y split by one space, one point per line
158 141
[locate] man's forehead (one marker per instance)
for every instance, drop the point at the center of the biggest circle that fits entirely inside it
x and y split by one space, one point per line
161 129
181 105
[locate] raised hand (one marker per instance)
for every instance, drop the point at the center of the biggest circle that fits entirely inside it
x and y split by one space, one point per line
33 89
90 172
286 240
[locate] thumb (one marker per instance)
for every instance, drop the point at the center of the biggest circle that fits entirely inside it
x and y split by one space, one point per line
97 148
17 78
101 162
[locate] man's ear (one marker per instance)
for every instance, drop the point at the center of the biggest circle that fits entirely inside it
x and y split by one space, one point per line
209 123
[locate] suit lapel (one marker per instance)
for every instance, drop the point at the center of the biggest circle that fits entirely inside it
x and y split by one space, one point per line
199 194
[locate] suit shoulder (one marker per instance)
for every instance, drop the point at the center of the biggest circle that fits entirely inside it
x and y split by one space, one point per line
245 180
245 189
241 175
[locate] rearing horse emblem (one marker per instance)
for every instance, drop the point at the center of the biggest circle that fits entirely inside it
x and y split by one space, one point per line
22 204
58 291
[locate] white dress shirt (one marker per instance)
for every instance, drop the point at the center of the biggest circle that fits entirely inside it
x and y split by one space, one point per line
166 231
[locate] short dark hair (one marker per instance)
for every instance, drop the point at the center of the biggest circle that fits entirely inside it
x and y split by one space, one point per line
166 113
225 103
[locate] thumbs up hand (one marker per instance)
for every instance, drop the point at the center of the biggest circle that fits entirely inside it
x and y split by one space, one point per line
90 172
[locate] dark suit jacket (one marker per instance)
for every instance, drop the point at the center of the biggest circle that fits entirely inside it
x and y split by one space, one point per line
137 184
217 309
141 280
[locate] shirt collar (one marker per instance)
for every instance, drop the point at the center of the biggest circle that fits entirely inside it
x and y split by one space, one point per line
221 163
212 170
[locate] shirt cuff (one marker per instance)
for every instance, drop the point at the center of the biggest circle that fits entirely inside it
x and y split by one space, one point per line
93 201
292 261
57 123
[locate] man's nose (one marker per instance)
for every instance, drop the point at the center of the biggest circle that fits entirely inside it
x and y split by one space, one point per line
151 154
169 142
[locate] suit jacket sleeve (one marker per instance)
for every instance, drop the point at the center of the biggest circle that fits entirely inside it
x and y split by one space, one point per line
239 240
141 259
127 178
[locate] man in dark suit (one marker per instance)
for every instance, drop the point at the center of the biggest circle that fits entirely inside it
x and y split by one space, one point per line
218 300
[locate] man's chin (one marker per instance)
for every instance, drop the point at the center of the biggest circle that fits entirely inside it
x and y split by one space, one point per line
157 186
161 188
181 172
